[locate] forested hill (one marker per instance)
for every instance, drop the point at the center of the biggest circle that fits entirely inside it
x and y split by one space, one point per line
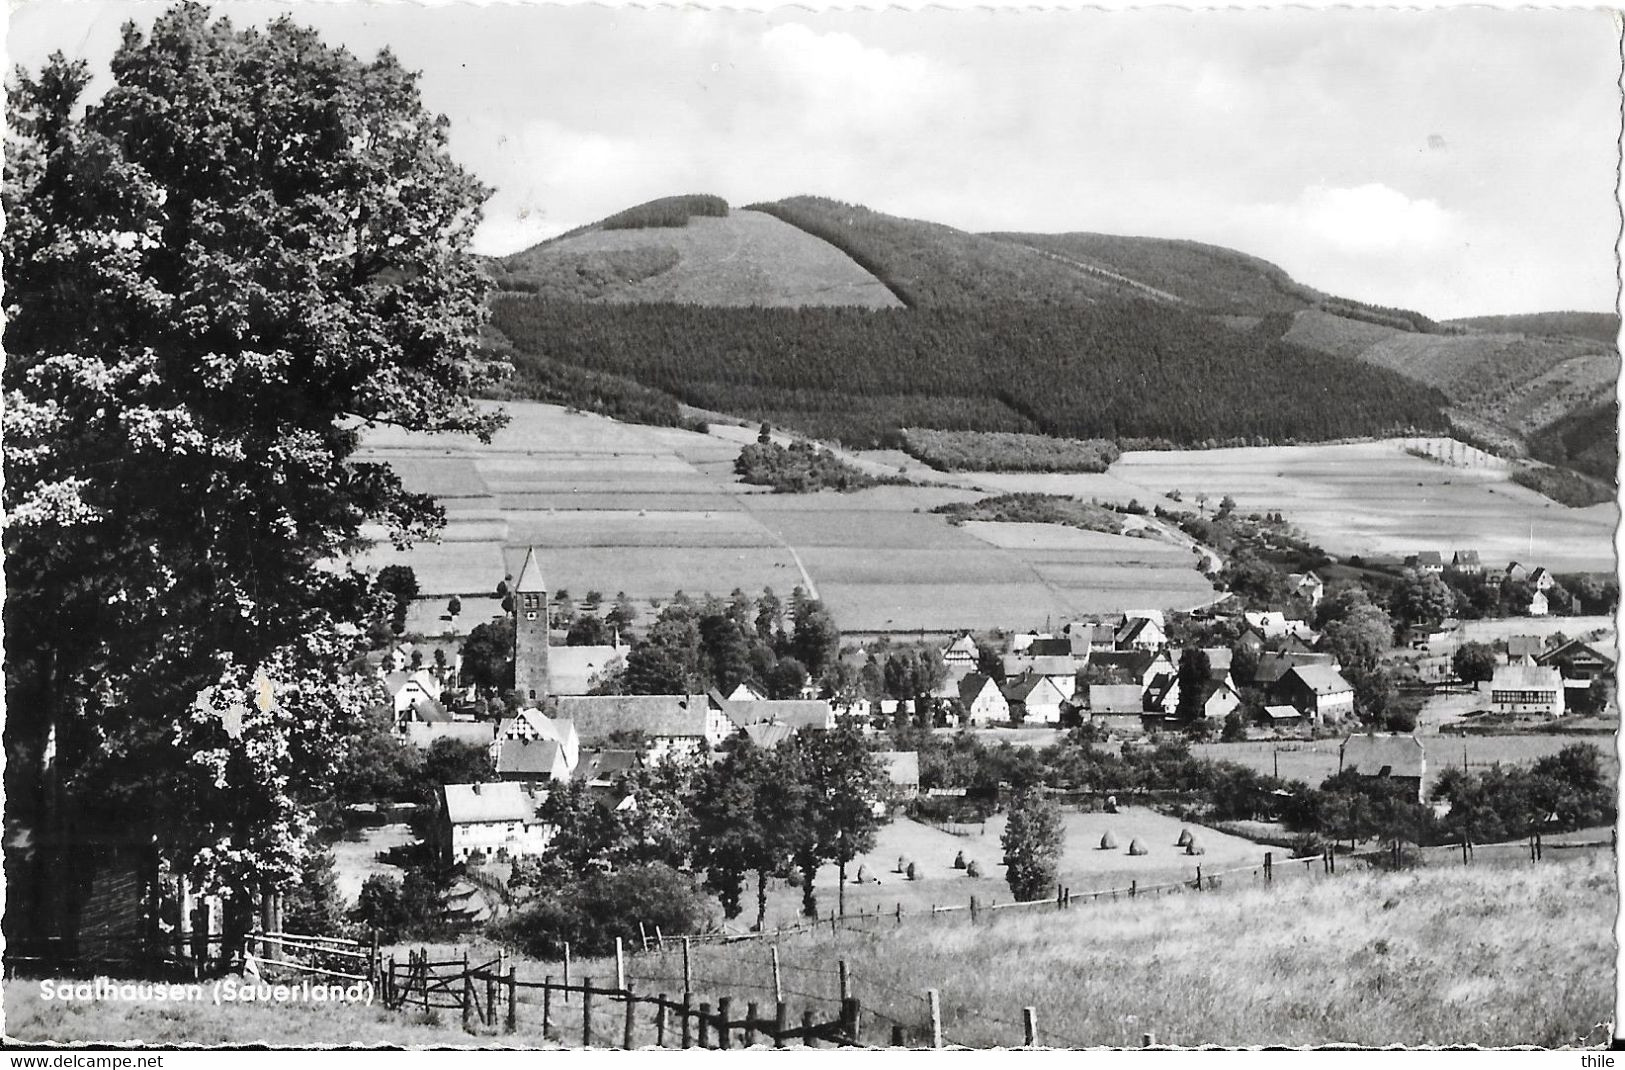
1597 326
758 311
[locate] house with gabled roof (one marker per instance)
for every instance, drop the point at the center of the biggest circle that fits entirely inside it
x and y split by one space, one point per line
1307 586
1398 758
1427 562
415 696
1140 633
531 724
1524 649
1578 661
1274 664
1318 691
531 761
671 724
599 768
962 651
982 700
1531 689
797 713
1467 562
1130 666
1035 699
498 820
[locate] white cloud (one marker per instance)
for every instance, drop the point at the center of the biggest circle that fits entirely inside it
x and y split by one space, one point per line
845 85
1373 218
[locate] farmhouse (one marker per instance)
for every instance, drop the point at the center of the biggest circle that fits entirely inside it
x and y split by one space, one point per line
1428 562
1035 699
1128 666
672 724
1467 562
1398 758
1272 665
1524 649
982 700
498 820
600 768
1538 605
1536 689
1319 692
415 696
1579 662
1307 586
796 713
530 761
1219 700
1273 625
533 724
1053 665
961 651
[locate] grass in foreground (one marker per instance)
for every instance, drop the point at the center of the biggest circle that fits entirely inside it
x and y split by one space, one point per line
1495 955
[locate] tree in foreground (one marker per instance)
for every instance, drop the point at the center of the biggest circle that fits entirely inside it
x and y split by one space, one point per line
215 275
1032 844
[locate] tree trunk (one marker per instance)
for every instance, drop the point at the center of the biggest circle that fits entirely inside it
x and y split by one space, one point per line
809 896
840 898
761 899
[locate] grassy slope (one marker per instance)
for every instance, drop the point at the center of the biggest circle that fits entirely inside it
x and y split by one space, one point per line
1495 955
745 258
1600 326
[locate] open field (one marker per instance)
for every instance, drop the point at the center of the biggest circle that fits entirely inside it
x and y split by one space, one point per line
1445 955
1312 761
650 511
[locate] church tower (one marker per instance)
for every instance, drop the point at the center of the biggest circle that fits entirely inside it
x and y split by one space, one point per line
530 632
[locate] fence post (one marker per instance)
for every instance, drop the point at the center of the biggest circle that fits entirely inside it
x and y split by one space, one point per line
750 1025
468 1001
973 909
1198 876
620 965
423 971
778 983
373 960
660 1021
899 913
660 940
852 1019
781 1022
1269 862
724 1005
491 996
846 981
547 1005
1148 1040
1133 888
586 1012
899 1037
705 1025
688 1013
807 1023
389 982
1331 855
566 989
643 936
688 980
513 1000
1539 851
935 1001
627 1040
1058 903
1464 850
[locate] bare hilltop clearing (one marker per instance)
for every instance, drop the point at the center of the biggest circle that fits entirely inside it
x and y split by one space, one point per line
742 258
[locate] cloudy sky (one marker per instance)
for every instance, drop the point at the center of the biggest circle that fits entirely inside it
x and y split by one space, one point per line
1454 161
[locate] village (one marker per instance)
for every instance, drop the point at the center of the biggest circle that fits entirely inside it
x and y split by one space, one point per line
1117 679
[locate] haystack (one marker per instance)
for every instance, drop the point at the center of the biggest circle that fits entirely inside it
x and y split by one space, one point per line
959 860
1135 847
1111 804
1184 838
864 876
1193 846
1108 842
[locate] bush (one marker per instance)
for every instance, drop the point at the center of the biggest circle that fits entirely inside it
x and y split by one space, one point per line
591 912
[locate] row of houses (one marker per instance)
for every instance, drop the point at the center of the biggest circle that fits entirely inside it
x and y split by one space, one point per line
1469 563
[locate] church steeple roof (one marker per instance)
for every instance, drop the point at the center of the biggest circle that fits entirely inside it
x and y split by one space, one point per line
530 575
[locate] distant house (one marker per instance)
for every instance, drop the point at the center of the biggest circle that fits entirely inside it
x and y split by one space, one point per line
1219 700
1273 625
962 651
796 713
1108 699
1538 605
1577 661
1282 717
1428 562
600 768
1467 563
415 696
1140 633
1061 667
1163 694
1541 580
1398 758
982 700
672 724
1319 692
1524 649
531 761
1272 665
532 724
1035 699
1534 689
498 820
1307 586
1129 666
1089 635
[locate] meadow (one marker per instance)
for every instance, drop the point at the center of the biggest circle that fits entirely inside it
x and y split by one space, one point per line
1444 955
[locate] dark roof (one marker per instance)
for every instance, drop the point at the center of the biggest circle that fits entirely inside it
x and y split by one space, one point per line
1466 557
1136 662
1020 688
971 685
598 764
520 756
1043 664
1049 648
1132 628
597 716
1273 665
1374 755
1321 679
1570 651
1426 557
